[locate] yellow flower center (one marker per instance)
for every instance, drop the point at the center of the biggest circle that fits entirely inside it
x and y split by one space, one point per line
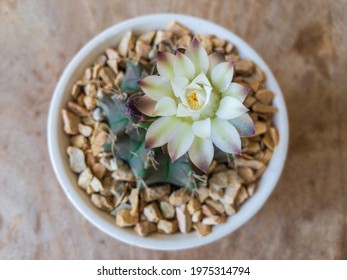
193 100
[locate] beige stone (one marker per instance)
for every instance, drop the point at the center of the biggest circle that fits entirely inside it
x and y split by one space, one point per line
168 227
253 164
261 108
274 135
101 202
124 218
193 206
85 178
178 29
142 50
96 185
107 76
225 179
183 219
215 205
99 170
134 200
79 141
126 44
145 228
265 96
167 209
203 193
77 109
229 210
208 210
85 130
76 91
230 194
147 37
153 193
152 212
76 159
242 195
244 67
110 163
89 102
202 229
180 196
215 192
184 41
71 122
246 173
214 220
197 216
123 173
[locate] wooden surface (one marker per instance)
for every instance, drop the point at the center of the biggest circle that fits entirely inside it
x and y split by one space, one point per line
304 43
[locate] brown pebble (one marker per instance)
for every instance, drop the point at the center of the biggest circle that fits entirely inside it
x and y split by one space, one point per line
145 228
179 197
202 229
168 227
124 218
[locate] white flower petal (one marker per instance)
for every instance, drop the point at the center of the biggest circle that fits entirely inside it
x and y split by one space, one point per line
165 64
193 86
225 136
230 108
181 141
202 79
237 91
198 55
156 87
178 85
165 107
146 105
221 75
201 153
244 125
213 60
182 111
159 133
183 67
202 128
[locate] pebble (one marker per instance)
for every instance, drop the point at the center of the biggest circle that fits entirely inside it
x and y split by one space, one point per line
214 220
197 216
145 228
179 197
85 130
183 219
85 178
71 122
123 173
202 229
76 159
193 206
152 213
124 218
154 193
167 209
101 202
168 227
225 179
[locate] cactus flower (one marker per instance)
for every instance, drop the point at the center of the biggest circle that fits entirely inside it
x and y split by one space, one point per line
198 105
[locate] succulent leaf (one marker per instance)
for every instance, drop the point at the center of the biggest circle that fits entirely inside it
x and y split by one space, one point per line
133 74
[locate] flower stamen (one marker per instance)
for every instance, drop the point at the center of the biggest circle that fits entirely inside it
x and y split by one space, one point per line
193 100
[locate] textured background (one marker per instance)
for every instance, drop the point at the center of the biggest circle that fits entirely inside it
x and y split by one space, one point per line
304 43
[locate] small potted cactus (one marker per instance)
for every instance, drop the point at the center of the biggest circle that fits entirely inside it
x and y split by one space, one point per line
170 130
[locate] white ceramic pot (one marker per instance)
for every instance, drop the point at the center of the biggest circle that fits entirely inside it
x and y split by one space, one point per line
58 140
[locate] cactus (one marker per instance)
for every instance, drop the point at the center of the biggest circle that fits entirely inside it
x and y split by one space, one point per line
150 166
